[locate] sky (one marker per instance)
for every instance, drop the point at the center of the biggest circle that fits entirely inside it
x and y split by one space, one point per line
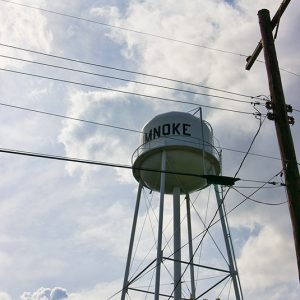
65 227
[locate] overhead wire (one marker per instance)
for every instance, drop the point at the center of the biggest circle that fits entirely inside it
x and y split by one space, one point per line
67 117
255 187
119 127
240 203
106 164
140 32
126 92
259 202
128 71
290 72
125 29
212 222
238 170
247 197
251 153
221 202
270 182
250 146
204 225
129 80
135 81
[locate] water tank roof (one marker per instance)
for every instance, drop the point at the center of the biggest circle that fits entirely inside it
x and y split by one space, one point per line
188 143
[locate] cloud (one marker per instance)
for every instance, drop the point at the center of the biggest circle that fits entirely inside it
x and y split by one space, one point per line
61 218
30 31
99 142
107 12
4 296
56 293
102 290
265 259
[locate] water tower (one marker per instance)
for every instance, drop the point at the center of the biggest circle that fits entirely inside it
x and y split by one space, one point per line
176 150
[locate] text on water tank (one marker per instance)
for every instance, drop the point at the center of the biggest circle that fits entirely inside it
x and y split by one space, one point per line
167 129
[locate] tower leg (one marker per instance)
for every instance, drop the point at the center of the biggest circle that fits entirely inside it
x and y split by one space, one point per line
191 251
177 243
136 211
229 247
160 225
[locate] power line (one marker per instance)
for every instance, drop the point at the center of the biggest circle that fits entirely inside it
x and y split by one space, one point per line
287 71
203 223
212 223
127 80
107 164
227 213
270 182
128 71
260 202
125 92
248 197
125 29
250 146
67 117
119 127
251 153
256 187
142 33
222 203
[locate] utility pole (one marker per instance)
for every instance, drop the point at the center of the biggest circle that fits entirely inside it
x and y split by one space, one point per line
281 119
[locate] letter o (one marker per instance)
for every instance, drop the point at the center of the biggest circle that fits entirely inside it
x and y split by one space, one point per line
166 129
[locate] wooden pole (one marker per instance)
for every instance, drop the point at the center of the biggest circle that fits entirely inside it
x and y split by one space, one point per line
284 136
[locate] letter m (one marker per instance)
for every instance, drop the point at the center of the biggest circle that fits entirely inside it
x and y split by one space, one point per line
148 136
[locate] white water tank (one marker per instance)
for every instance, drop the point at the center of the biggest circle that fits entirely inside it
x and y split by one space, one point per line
188 143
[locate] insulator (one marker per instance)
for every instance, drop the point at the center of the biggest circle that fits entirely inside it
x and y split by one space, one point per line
269 105
289 108
291 120
271 116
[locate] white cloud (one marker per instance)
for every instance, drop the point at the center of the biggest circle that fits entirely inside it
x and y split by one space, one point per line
4 296
265 259
102 290
30 31
106 12
98 142
46 294
107 230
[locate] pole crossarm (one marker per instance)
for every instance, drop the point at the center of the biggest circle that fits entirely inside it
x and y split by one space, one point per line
251 59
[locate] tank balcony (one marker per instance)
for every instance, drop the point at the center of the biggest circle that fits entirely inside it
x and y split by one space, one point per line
171 141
